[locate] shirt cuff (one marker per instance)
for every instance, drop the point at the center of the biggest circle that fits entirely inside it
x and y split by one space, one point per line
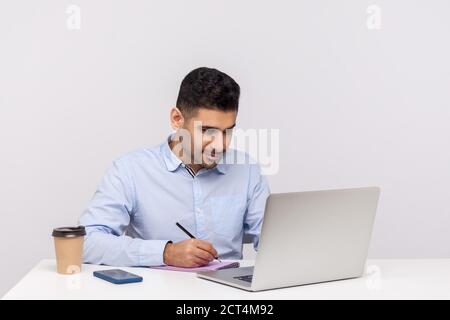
151 252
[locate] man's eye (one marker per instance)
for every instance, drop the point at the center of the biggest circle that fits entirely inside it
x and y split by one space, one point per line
208 131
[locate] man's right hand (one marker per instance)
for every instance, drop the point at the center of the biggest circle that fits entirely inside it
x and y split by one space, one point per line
189 253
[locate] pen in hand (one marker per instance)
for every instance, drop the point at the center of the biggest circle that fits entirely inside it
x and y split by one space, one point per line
190 235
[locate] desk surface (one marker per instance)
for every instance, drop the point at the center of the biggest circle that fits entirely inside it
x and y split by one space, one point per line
384 279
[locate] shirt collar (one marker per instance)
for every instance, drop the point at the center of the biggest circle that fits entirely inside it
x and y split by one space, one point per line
170 159
172 162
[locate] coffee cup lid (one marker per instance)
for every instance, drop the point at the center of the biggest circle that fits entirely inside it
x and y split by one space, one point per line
69 232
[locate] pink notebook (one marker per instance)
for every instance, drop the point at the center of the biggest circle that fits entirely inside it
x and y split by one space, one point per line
213 266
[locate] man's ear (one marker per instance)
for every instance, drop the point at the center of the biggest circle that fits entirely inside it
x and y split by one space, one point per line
176 118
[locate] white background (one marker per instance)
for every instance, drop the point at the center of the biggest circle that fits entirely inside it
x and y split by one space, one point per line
354 106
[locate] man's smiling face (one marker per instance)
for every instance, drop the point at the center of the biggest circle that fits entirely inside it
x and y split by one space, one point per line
204 116
206 135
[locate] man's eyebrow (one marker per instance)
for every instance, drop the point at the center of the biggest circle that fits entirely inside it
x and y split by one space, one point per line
215 128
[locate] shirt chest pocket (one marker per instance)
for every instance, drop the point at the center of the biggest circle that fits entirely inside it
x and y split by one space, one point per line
228 214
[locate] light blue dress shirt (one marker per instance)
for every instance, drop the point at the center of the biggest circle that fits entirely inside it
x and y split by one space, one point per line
132 215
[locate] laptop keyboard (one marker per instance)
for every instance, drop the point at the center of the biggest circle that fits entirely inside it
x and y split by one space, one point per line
248 278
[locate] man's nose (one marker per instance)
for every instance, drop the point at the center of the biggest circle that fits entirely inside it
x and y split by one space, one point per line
217 145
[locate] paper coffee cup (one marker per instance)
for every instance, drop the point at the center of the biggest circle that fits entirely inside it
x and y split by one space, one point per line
69 248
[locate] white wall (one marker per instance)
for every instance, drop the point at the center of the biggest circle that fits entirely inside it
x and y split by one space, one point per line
354 106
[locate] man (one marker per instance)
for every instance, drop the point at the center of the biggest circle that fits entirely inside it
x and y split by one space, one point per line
192 178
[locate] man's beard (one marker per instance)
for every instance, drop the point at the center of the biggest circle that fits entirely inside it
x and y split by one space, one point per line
210 163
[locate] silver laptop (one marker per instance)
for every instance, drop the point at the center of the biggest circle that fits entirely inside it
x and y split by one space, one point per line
308 237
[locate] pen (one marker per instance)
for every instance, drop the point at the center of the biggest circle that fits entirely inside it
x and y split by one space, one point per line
190 235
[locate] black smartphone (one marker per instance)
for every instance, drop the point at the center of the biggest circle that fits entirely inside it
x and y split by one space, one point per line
117 276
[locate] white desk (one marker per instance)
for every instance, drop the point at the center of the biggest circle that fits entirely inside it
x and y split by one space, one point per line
385 279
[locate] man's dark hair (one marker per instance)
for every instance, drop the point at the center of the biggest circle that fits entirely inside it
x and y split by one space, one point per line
208 88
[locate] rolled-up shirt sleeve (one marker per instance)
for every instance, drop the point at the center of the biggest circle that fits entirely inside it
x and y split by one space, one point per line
106 220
